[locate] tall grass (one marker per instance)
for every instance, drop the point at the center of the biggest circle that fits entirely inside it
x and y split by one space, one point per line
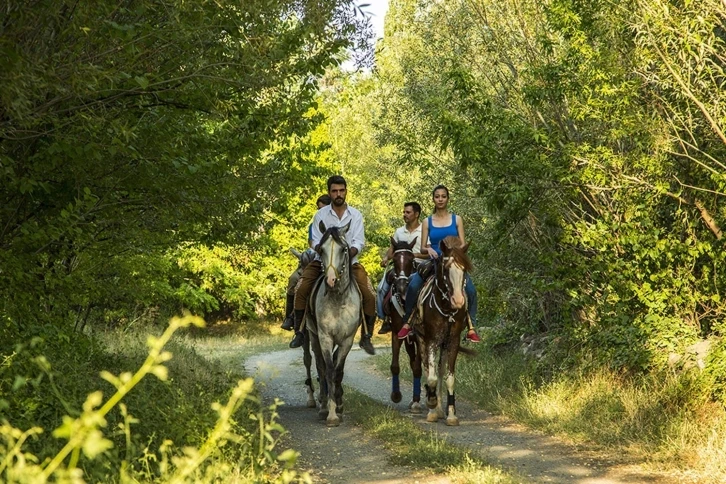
408 444
661 418
229 347
157 419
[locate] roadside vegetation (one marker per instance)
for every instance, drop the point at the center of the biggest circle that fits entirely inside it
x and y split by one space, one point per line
410 445
662 420
165 414
159 156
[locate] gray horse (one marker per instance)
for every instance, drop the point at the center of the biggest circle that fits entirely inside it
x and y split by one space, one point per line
332 319
305 257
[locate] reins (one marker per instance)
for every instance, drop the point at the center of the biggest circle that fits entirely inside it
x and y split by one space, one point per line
344 274
433 303
400 276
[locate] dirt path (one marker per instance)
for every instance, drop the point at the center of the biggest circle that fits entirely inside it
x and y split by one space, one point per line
336 455
536 457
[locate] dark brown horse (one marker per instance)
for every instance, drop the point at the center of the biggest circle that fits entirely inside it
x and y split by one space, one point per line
442 310
403 268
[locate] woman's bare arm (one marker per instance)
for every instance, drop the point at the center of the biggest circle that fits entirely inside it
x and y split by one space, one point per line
460 229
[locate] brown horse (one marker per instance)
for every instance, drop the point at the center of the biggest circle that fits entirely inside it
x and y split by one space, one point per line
442 309
403 268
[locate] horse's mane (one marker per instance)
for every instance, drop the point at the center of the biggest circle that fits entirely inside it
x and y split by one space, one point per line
454 244
335 234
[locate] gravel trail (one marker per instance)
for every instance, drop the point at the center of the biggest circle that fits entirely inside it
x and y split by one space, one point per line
356 458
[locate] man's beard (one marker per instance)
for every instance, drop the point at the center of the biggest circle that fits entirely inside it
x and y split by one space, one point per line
339 201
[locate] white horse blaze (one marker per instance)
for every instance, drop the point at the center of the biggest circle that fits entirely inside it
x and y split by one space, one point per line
331 275
456 273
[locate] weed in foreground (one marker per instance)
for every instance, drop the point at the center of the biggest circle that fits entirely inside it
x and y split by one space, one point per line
86 439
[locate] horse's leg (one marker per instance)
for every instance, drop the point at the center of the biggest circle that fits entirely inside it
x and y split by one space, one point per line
340 356
326 345
308 361
320 366
440 374
431 382
415 363
395 368
338 379
453 352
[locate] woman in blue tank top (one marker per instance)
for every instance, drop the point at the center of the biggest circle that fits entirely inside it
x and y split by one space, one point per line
435 228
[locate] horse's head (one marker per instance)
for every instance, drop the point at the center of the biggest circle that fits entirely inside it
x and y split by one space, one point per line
453 268
403 258
306 258
334 256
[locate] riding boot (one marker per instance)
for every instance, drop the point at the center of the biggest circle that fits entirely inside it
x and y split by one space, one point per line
366 332
385 327
297 340
289 322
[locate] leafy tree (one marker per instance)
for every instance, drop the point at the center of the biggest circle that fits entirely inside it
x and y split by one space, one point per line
129 128
590 133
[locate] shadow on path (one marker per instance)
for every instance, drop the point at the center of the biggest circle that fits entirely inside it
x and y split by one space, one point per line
538 458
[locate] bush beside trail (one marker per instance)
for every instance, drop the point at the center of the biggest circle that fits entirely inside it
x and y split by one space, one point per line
168 428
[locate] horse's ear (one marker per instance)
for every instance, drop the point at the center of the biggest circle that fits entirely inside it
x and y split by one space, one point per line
413 242
344 229
322 228
465 247
295 252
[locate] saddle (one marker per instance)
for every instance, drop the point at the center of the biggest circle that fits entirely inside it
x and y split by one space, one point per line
417 316
425 269
426 289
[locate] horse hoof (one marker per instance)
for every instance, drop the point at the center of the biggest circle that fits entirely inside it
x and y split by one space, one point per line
312 404
332 422
322 414
395 397
416 407
432 417
452 422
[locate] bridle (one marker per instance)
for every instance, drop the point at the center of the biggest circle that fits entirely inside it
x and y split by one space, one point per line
401 275
331 265
447 290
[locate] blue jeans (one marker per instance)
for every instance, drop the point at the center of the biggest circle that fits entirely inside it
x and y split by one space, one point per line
383 288
414 288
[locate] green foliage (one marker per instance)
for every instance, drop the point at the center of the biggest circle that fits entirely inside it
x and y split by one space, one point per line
584 139
411 445
127 130
164 431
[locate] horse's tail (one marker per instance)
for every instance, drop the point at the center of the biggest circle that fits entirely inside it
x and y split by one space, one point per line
467 351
